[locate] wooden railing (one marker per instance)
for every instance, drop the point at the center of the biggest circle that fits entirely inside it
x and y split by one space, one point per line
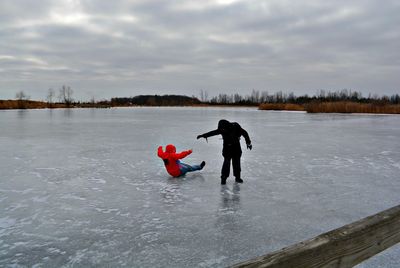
344 247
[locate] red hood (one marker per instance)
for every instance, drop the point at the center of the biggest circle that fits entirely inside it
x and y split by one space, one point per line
170 148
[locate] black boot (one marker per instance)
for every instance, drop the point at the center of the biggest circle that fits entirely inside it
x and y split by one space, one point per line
223 181
238 180
202 164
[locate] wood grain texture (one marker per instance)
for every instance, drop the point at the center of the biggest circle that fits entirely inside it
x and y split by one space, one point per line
343 247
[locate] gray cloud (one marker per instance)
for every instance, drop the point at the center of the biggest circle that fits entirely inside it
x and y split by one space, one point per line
124 48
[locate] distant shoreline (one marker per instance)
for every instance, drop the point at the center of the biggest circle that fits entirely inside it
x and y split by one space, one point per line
335 107
312 107
35 105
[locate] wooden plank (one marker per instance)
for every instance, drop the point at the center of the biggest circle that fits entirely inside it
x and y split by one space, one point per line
346 246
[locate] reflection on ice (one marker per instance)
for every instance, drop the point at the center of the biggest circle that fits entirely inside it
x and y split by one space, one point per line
230 198
229 212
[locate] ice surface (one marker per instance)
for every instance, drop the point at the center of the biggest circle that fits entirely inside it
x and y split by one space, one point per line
82 187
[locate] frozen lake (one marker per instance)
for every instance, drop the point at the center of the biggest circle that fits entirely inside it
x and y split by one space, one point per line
84 188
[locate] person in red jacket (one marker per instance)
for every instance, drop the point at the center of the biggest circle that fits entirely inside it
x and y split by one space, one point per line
172 162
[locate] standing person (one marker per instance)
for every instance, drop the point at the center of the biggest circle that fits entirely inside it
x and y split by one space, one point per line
174 166
231 133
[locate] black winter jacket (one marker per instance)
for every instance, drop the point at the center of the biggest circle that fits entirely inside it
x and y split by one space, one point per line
231 133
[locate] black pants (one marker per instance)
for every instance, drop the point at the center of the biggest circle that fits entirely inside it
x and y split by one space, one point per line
226 166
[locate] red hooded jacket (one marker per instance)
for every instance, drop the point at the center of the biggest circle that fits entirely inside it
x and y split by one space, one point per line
170 158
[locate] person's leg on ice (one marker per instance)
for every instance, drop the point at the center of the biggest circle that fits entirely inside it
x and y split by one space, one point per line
236 168
226 167
185 168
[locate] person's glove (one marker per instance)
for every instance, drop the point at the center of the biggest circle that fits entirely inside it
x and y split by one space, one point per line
202 136
249 146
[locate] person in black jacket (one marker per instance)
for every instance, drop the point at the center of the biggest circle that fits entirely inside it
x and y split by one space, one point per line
231 133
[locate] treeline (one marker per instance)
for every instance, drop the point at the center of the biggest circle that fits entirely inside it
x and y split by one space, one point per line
65 100
351 107
30 104
22 104
343 101
257 98
155 100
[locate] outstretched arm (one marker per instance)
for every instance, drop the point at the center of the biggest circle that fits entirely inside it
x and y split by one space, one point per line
183 154
160 152
209 134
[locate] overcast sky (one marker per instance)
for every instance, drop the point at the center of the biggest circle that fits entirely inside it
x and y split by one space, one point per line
104 49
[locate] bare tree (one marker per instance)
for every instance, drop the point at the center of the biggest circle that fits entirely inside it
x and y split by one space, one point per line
93 101
21 96
203 95
50 96
278 97
66 95
21 99
321 94
255 96
237 98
